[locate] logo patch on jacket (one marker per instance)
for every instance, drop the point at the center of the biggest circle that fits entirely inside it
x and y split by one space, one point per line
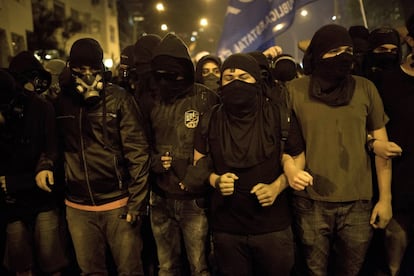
191 118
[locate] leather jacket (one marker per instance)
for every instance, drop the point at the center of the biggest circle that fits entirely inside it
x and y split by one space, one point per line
105 149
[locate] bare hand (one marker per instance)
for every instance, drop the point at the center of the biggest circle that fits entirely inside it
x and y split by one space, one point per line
386 149
225 183
381 215
3 183
166 160
273 51
44 179
299 179
266 194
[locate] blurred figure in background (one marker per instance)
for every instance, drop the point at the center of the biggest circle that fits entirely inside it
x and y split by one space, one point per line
127 73
27 161
55 68
207 71
359 35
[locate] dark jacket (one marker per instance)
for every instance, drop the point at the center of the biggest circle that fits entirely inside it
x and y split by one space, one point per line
106 155
28 146
172 129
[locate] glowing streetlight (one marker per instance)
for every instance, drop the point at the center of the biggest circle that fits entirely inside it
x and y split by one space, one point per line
160 7
203 22
164 27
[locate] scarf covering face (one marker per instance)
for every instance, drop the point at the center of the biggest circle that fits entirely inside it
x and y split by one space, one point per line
331 80
246 138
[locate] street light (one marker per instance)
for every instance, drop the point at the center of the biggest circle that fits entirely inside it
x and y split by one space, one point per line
160 7
203 22
164 27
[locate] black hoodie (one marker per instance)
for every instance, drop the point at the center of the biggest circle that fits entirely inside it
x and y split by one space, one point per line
174 120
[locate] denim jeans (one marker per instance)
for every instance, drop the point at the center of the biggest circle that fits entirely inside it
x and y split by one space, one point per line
341 226
91 232
41 237
176 222
261 255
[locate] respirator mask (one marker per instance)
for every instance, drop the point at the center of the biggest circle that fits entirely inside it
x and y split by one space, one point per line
88 83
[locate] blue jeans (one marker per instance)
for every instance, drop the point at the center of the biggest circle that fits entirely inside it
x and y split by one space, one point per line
262 255
341 226
175 222
91 232
36 244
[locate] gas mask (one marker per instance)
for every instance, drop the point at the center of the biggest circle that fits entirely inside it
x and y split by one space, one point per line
89 86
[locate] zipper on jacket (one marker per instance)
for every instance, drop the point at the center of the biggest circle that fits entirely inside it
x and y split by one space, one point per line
118 175
84 157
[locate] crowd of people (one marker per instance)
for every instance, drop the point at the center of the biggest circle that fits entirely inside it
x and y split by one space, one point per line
252 165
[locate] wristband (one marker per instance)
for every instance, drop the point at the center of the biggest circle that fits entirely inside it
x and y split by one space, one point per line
370 145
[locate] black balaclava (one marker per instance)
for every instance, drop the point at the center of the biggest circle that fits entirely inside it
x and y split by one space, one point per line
171 60
211 80
240 98
284 68
384 61
249 139
27 69
331 80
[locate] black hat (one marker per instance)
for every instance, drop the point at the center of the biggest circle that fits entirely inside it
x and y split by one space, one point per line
86 52
143 50
382 36
7 87
328 37
244 62
127 56
26 68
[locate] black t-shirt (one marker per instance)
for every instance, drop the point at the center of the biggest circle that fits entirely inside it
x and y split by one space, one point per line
397 93
241 213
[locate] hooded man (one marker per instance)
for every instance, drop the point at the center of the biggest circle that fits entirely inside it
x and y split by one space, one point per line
29 73
178 194
335 111
27 163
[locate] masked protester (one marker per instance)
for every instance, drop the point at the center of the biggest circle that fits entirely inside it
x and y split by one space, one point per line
336 110
105 152
208 71
396 89
29 73
178 194
127 72
55 68
359 35
27 163
250 217
384 53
